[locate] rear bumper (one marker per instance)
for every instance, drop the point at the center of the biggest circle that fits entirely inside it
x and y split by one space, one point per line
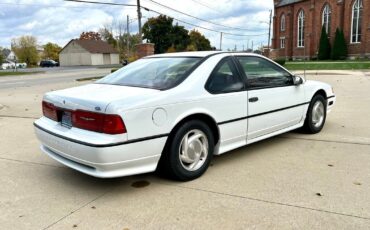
104 162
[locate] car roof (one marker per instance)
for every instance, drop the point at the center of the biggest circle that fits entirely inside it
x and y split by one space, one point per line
199 54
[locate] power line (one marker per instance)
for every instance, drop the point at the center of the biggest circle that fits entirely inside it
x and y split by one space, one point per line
188 23
207 6
40 5
205 28
102 3
200 19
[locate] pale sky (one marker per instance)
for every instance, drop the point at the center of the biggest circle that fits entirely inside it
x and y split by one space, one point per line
58 21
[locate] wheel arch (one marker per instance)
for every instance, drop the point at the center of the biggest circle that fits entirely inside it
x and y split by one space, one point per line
320 92
206 118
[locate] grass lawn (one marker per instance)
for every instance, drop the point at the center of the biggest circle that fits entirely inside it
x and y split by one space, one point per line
328 65
11 73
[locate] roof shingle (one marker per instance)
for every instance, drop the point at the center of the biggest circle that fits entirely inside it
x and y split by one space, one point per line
287 2
95 46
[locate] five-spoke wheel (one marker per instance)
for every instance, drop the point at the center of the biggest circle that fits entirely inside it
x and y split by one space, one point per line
193 150
188 152
316 115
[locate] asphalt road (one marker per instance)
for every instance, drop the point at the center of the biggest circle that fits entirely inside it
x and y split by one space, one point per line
292 181
51 77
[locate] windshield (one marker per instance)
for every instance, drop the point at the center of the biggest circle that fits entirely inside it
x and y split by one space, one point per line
156 73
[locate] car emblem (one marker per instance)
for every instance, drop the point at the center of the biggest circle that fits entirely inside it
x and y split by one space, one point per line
97 108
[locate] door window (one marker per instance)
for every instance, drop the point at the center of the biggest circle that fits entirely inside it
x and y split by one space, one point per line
224 78
262 73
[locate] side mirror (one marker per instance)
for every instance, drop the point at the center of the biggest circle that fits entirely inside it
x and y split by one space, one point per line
297 80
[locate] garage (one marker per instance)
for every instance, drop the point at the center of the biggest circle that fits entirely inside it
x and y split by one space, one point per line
88 53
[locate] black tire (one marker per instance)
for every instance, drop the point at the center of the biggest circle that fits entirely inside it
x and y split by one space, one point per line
170 164
309 125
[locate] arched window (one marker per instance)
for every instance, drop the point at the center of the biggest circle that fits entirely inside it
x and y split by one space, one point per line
300 37
282 23
326 18
356 21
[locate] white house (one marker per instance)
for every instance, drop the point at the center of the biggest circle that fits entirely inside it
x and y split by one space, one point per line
9 55
88 52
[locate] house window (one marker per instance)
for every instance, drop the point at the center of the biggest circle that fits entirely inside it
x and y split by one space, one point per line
326 18
300 29
356 21
282 43
282 23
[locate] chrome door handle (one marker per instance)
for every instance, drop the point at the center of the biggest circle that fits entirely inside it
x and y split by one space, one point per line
253 99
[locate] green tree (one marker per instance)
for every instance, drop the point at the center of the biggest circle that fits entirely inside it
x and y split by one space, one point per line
158 31
107 36
1 56
324 46
169 37
191 47
199 41
344 51
51 51
130 41
24 48
339 51
180 38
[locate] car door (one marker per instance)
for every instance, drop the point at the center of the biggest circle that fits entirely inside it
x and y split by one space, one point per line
274 102
228 103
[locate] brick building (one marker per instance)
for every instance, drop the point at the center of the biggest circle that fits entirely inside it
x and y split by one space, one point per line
298 24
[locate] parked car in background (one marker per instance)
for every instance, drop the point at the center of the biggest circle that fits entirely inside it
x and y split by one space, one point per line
21 65
175 111
49 63
8 65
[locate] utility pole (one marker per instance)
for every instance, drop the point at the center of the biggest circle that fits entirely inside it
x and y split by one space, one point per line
268 42
128 36
139 20
220 41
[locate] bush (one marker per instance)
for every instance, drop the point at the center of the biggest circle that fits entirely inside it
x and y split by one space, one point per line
132 59
280 61
324 48
339 51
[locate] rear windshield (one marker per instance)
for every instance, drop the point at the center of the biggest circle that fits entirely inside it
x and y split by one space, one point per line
155 73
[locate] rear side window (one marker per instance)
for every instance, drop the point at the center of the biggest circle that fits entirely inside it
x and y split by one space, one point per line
224 78
262 73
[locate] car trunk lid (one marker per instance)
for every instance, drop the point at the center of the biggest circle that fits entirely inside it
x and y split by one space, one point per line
95 97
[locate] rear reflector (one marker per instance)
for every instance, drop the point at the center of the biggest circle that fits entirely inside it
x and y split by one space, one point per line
49 110
96 122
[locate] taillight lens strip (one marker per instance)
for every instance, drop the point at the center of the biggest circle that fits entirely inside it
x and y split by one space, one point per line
87 120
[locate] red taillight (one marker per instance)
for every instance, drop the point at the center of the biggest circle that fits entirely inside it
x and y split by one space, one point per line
98 122
113 124
49 110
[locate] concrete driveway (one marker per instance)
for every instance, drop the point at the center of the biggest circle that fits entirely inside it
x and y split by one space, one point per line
292 181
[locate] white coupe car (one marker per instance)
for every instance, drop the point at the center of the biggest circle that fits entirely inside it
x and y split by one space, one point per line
173 112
